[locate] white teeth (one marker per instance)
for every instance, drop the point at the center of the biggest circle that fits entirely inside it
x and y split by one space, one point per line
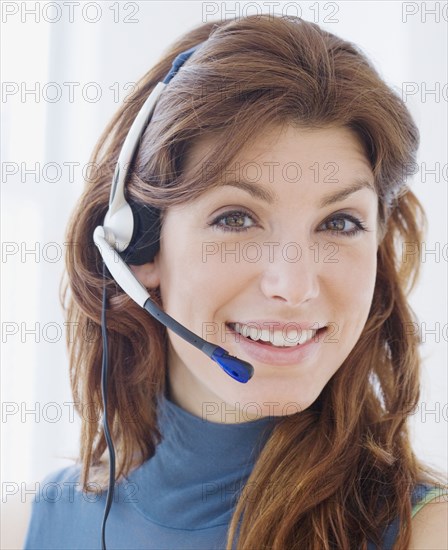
277 338
253 333
243 329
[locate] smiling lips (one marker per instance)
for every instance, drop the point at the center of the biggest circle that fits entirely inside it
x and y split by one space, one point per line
285 335
273 355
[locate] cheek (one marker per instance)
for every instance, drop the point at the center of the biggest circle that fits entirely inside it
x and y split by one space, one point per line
198 276
211 261
352 284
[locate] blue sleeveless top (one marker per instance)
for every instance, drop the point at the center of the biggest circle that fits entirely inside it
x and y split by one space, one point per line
182 498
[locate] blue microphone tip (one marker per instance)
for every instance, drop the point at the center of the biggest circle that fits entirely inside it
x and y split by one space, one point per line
242 371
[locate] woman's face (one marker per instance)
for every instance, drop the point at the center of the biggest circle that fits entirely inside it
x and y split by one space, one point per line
296 261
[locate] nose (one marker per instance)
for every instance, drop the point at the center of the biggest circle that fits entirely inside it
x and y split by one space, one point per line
291 275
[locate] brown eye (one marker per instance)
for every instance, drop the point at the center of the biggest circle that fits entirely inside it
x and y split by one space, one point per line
340 222
233 221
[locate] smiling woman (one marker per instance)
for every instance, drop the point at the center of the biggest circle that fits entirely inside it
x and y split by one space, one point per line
269 195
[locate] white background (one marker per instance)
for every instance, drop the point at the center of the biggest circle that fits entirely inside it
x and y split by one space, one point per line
96 42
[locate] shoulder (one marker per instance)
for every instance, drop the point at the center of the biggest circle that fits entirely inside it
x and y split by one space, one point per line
68 473
429 526
56 498
59 485
56 487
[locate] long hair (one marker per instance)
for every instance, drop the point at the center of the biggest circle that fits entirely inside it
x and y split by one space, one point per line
334 475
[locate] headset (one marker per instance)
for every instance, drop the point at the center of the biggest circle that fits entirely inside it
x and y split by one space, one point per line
130 235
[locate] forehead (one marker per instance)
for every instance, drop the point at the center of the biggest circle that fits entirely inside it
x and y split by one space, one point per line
288 154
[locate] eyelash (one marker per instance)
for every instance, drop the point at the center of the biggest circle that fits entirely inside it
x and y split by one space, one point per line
358 223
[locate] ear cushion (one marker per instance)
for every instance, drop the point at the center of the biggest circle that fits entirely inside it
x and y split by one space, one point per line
144 244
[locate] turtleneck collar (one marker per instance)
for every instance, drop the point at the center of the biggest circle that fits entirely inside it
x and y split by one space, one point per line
199 468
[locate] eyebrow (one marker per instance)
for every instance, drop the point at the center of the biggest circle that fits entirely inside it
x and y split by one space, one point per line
264 194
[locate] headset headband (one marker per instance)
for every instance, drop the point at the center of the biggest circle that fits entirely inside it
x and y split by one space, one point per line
134 229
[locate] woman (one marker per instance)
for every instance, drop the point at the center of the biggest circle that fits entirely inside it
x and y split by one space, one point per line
276 158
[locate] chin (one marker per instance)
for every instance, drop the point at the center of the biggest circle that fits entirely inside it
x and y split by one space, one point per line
268 403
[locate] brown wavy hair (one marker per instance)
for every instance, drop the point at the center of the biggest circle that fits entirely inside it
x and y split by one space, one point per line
344 468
